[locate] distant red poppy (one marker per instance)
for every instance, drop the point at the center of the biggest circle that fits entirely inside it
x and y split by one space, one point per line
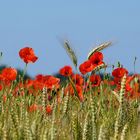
119 72
8 74
51 82
96 59
18 90
70 90
33 108
27 55
77 79
131 89
0 87
40 78
49 109
95 80
1 77
47 81
29 83
66 71
111 83
134 93
38 83
4 98
86 67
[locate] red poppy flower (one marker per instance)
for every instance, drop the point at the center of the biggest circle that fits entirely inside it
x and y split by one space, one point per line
128 83
4 98
47 81
27 55
86 67
39 81
96 59
95 80
119 72
66 71
128 88
1 77
77 79
135 92
39 78
111 83
132 95
18 90
51 82
29 83
8 74
69 90
38 84
49 109
33 108
130 78
0 87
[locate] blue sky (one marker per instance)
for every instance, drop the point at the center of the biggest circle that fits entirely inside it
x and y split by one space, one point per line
44 24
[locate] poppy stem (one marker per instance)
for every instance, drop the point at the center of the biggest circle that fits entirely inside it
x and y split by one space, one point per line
24 71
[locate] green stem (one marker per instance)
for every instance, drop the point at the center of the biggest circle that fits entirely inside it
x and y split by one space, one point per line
24 71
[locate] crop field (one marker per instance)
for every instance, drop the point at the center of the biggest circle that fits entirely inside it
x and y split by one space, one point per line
89 104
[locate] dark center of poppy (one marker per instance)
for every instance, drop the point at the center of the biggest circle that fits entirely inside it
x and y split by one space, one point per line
66 72
96 61
95 82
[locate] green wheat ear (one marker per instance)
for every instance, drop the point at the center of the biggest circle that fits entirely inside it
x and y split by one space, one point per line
98 68
65 106
1 54
70 52
99 48
120 120
85 128
124 131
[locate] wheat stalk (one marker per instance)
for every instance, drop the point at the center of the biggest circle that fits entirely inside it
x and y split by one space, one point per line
93 113
98 68
101 133
99 48
27 132
85 127
124 131
120 115
53 122
65 106
15 120
70 52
